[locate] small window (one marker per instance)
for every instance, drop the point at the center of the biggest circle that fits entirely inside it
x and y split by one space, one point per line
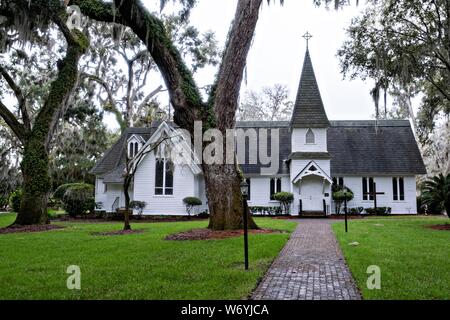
310 137
395 188
105 187
368 185
398 189
131 150
275 186
402 189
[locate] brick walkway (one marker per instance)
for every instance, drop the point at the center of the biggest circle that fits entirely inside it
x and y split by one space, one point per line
310 267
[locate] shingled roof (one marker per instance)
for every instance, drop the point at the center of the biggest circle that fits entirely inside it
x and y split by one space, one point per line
374 147
355 147
309 111
115 156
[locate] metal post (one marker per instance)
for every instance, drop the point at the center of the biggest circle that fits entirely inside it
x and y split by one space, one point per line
245 216
345 210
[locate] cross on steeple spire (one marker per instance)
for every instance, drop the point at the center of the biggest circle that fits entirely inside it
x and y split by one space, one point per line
308 37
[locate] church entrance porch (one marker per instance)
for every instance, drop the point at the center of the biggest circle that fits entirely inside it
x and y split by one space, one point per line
314 189
312 195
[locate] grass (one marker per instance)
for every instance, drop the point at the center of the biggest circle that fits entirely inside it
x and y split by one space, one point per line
138 266
414 260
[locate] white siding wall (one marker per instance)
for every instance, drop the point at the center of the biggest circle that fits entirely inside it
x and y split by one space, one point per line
144 184
100 195
115 191
384 184
260 191
299 140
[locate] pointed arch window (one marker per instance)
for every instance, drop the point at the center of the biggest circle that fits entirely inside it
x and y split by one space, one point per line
133 149
164 169
310 137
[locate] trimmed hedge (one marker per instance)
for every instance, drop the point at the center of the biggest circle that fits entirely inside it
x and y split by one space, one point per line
271 211
79 199
285 199
381 211
190 203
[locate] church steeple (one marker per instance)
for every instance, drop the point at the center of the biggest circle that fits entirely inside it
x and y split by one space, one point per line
309 111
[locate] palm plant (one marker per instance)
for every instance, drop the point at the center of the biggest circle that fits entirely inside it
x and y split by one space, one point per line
436 193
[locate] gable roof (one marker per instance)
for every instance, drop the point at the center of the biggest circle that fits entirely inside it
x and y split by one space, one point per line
116 154
309 111
355 148
374 147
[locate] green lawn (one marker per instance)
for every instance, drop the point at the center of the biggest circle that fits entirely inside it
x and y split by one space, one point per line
139 266
414 260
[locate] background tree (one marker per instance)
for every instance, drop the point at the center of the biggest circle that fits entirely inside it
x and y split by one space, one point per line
403 46
219 111
271 104
28 22
117 69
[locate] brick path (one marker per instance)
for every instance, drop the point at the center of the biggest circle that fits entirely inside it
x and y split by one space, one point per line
310 267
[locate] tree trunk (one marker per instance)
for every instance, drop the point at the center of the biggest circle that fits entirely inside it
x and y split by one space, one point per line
126 186
36 184
225 208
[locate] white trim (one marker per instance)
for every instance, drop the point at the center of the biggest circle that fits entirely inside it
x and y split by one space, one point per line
180 144
307 172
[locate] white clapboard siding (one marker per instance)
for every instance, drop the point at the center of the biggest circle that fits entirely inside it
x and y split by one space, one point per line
299 140
384 184
144 186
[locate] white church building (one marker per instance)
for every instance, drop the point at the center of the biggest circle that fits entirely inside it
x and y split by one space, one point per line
373 156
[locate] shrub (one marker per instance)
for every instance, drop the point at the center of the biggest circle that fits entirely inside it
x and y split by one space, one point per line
380 211
204 214
78 199
15 199
191 203
61 190
285 199
139 206
436 194
340 196
271 211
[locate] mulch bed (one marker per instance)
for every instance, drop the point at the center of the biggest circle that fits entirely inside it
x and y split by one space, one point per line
207 234
29 229
441 227
117 233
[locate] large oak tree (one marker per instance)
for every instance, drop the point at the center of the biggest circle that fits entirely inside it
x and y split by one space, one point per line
25 21
219 110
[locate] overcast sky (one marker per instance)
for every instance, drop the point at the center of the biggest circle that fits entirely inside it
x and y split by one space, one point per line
278 51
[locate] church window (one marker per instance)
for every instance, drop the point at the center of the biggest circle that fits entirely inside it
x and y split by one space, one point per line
338 181
275 187
249 189
368 186
133 149
398 189
164 169
310 137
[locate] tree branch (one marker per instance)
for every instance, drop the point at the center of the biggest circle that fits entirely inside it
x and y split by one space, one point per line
19 96
183 91
13 124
